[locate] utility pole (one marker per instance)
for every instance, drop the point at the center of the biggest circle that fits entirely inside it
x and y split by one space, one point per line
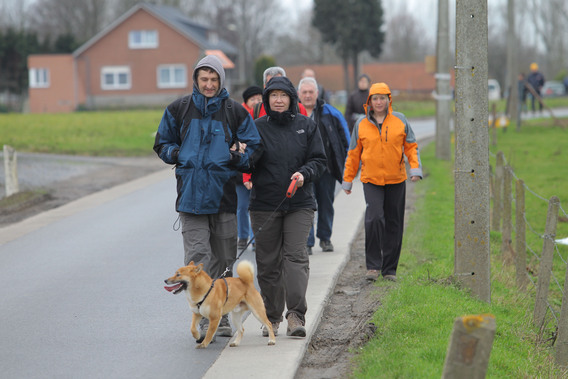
512 66
472 251
443 95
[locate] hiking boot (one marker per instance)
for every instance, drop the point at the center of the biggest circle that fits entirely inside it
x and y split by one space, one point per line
275 326
309 249
326 246
295 326
390 278
242 243
224 329
372 275
203 327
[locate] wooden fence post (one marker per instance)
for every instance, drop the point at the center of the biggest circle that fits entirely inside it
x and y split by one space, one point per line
497 190
520 236
11 170
507 222
545 267
561 344
470 346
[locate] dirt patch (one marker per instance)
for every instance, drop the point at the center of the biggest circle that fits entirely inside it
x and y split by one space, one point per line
345 324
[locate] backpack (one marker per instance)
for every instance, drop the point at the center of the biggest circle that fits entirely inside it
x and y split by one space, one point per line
256 110
230 115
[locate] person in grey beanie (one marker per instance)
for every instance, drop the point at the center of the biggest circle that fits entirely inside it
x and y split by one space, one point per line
209 138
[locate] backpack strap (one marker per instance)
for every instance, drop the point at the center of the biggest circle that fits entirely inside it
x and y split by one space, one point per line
184 106
256 110
232 122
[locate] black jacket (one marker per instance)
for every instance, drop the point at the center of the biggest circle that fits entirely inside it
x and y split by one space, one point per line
291 142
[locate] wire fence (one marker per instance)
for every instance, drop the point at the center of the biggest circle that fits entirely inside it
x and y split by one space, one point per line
550 291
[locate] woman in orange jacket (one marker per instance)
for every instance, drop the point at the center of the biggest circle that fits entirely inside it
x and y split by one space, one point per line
379 143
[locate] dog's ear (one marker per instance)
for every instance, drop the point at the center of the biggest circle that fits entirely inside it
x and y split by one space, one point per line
199 268
191 263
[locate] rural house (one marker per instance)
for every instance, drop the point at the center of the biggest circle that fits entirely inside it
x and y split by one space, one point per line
145 57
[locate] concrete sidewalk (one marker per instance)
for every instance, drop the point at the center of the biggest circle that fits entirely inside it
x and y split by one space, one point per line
254 358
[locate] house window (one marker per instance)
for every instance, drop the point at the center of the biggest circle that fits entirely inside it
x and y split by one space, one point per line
39 77
115 77
143 39
172 76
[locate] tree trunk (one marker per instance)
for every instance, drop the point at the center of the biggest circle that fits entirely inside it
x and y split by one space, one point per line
346 71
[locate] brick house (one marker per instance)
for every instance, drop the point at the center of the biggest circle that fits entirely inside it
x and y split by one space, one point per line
144 58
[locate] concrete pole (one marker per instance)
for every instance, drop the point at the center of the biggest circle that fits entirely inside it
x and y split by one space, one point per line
470 347
472 253
443 95
11 170
512 65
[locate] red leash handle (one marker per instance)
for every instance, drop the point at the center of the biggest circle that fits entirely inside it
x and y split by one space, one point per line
292 188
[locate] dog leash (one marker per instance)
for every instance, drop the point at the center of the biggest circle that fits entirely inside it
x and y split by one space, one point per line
289 193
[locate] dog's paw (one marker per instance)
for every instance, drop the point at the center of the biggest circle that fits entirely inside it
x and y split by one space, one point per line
201 346
271 343
233 344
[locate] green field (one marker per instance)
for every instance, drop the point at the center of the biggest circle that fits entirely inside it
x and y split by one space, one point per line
416 318
82 133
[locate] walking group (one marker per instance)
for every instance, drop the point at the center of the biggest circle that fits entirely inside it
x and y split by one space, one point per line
234 164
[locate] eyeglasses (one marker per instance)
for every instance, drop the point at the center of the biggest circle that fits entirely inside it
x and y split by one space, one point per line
278 96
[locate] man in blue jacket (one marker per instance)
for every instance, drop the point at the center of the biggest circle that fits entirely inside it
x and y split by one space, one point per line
208 137
335 136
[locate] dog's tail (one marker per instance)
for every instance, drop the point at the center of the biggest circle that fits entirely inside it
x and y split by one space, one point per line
245 270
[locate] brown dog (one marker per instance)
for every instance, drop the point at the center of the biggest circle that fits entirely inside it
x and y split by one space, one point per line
214 298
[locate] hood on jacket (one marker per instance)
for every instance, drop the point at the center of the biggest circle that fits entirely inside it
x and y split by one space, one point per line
214 63
284 84
378 89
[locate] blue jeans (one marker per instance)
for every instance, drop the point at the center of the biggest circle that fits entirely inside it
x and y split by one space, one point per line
324 190
244 230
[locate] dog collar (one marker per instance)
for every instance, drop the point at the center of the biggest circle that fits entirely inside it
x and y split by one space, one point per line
209 291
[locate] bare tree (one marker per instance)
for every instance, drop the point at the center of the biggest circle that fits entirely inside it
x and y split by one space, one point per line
253 26
79 18
406 39
550 25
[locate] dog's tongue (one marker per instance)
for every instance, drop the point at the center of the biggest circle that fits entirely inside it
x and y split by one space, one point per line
173 287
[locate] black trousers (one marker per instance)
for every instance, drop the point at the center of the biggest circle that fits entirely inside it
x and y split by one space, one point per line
282 260
384 225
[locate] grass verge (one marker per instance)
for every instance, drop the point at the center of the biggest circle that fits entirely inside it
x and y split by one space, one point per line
416 317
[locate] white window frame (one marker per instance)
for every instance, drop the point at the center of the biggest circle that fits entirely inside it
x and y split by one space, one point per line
116 71
171 68
148 39
39 77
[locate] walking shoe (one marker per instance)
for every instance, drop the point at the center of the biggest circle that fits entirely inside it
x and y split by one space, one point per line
275 326
224 329
372 275
326 245
390 278
295 326
203 327
309 249
241 244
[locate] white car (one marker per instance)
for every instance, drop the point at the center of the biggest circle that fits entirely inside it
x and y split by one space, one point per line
494 89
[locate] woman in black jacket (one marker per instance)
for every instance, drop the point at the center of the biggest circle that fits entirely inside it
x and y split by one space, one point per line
292 149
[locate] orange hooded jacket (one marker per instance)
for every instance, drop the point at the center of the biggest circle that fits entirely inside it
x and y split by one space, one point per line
381 149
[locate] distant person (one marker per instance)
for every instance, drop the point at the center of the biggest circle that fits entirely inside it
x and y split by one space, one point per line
379 141
335 136
356 101
268 74
208 142
536 80
251 96
292 149
565 82
310 73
